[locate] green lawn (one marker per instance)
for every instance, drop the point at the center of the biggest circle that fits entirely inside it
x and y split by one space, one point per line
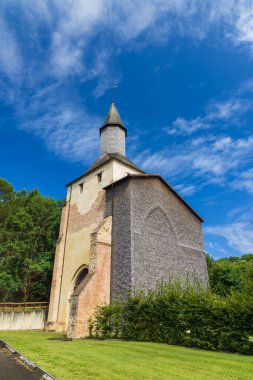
115 360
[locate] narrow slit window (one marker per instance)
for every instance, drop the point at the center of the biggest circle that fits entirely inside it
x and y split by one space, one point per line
80 186
99 177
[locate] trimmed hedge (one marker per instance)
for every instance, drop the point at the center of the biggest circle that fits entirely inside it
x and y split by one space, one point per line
183 315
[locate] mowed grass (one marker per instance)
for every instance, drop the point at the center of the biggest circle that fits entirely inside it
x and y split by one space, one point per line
117 360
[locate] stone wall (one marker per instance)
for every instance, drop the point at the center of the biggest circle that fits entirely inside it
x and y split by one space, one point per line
112 140
155 236
118 205
167 238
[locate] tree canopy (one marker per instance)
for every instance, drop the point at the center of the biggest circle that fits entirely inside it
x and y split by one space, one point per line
232 274
29 226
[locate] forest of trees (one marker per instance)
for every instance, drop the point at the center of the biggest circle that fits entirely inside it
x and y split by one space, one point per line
29 226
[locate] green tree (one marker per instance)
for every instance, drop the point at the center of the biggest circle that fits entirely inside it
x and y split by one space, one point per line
29 225
232 274
249 278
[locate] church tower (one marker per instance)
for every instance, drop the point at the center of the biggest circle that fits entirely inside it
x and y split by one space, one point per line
121 230
113 134
83 251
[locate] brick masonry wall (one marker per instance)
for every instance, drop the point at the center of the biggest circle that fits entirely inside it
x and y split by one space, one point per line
95 214
94 290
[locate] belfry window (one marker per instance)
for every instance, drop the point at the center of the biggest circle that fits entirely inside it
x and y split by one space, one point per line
81 277
99 176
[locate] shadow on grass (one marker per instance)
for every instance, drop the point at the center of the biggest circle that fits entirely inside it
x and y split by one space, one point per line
63 339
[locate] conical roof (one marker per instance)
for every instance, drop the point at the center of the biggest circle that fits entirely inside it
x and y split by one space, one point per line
113 118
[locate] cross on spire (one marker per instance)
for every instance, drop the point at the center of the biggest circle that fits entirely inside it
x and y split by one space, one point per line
114 91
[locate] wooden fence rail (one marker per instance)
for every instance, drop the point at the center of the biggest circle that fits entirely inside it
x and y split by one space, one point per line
21 306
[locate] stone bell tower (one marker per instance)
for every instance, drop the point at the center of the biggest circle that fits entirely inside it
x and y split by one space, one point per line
113 134
82 267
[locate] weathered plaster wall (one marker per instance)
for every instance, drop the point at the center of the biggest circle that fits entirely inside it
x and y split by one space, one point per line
155 236
120 171
58 263
83 214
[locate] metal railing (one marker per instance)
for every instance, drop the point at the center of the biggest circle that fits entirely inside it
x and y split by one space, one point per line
22 306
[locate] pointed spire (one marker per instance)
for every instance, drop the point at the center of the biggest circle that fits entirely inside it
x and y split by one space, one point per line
113 119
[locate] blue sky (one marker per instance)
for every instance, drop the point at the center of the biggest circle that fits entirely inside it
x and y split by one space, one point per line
184 71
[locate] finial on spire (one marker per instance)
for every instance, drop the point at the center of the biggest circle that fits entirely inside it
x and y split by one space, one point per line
114 91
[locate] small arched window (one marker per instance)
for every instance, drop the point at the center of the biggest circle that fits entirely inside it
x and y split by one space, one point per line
81 276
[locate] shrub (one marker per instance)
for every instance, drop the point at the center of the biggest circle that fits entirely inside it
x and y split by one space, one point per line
185 315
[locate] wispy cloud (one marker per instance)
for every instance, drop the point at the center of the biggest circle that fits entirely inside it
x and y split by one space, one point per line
185 189
244 181
213 159
217 113
134 25
71 27
238 235
72 134
10 55
68 129
67 49
244 23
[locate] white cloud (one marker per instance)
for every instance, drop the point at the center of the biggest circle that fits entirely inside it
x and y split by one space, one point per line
185 190
244 23
57 41
182 126
67 129
10 57
71 134
73 25
216 113
222 143
238 235
215 249
142 23
244 181
207 162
